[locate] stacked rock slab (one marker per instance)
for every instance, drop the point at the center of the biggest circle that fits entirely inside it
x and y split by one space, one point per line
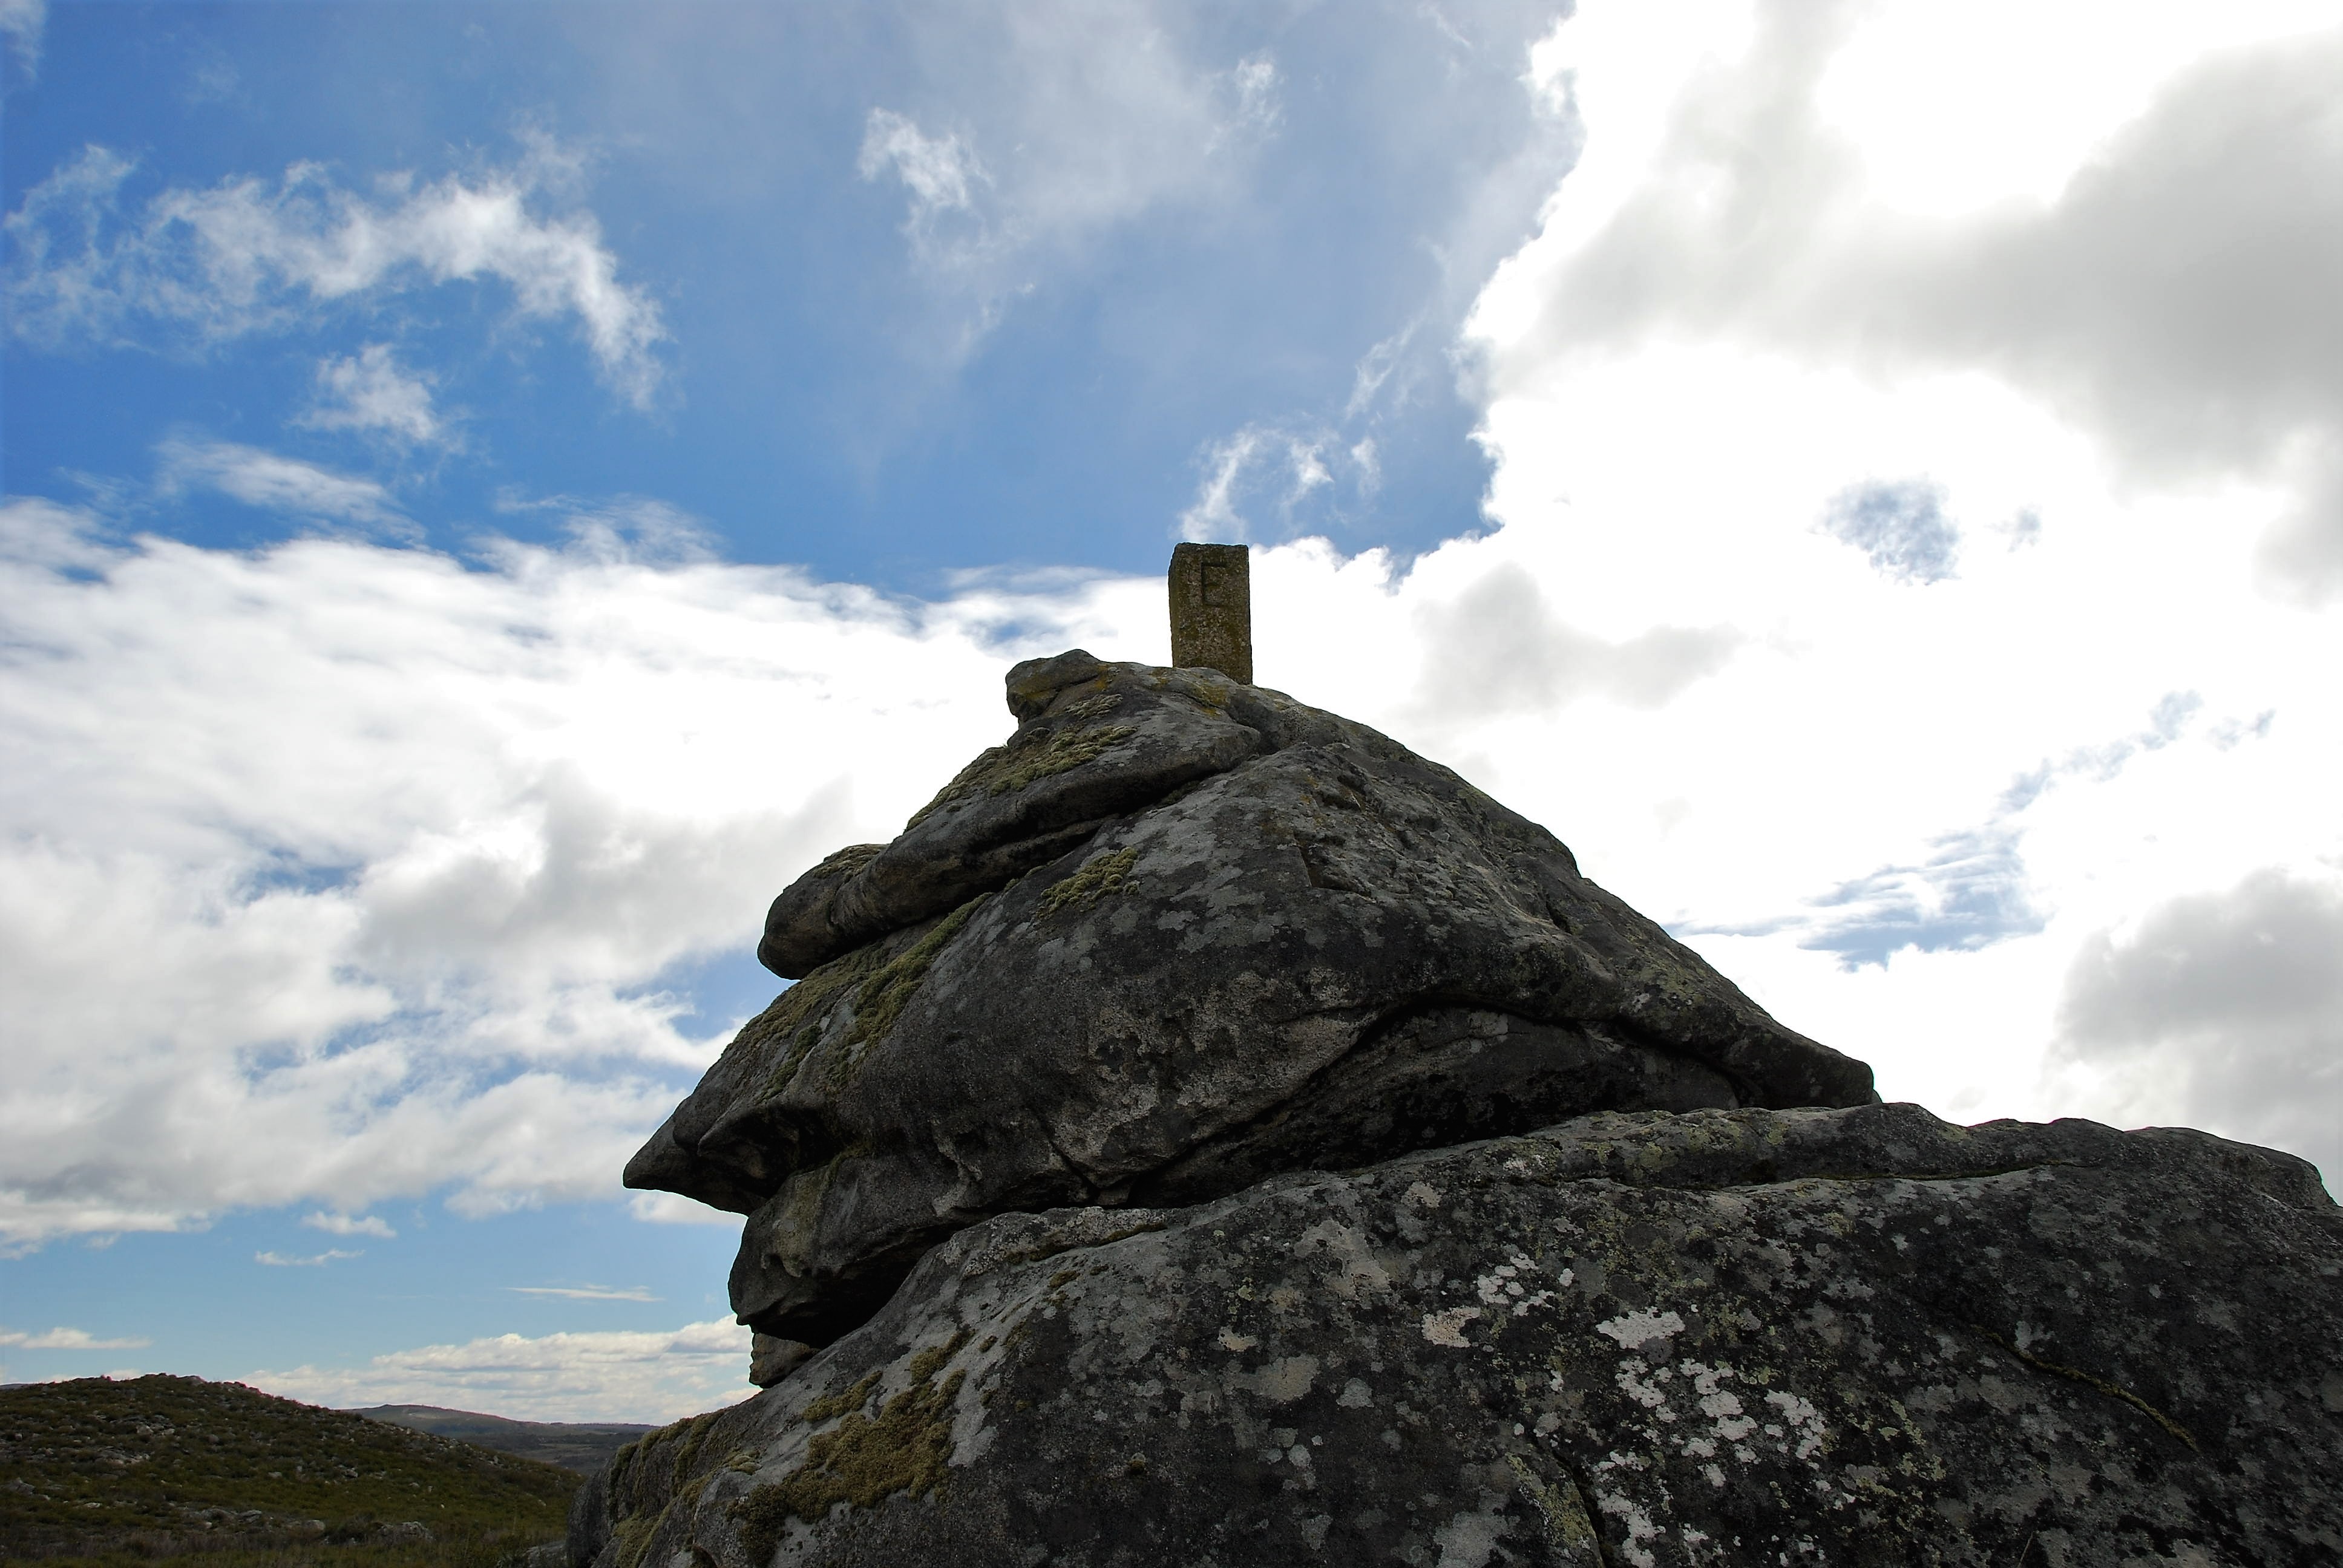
1213 1134
1730 1337
1177 935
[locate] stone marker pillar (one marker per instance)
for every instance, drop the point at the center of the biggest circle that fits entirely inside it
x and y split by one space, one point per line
1212 609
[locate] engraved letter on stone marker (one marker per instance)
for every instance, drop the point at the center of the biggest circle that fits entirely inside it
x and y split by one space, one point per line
1212 609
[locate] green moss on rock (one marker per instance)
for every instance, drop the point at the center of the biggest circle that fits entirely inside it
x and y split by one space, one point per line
1099 876
883 996
1002 768
863 1460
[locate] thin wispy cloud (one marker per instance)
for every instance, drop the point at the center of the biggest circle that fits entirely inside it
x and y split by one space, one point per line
586 1293
277 483
1254 481
315 1259
613 1375
349 1225
1037 132
196 266
64 1339
370 393
938 172
21 23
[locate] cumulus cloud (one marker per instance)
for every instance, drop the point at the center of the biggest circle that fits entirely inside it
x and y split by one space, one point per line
1497 648
338 871
2301 556
189 266
2169 290
64 1339
368 392
2221 1009
418 858
645 1376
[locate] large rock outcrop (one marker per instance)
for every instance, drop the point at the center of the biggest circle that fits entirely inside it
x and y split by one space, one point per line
1213 1134
1176 935
1853 1336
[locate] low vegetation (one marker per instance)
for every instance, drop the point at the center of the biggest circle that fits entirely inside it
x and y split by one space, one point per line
96 1472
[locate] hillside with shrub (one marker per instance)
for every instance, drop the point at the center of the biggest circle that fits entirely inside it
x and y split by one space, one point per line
99 1472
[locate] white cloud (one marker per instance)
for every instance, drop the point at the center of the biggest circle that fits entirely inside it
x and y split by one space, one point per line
315 1261
408 849
277 483
22 22
2226 1007
368 392
939 171
1037 128
1261 474
2156 269
349 1225
201 265
410 852
585 1293
1986 445
599 1376
63 1339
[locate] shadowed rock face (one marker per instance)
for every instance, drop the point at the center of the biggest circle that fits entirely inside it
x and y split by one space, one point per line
1854 1336
1177 935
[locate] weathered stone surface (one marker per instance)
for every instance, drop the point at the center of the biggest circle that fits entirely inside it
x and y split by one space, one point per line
1176 935
1097 740
1211 608
1853 1336
770 1359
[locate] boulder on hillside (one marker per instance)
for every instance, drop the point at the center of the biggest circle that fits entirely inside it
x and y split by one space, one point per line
1174 936
1850 1336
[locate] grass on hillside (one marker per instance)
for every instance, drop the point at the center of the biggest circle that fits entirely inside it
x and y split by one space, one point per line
98 1472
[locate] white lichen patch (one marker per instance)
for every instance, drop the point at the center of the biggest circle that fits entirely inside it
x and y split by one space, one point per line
1638 1382
1637 1525
1281 1382
1447 1328
1634 1330
1503 1287
1356 1268
1804 1422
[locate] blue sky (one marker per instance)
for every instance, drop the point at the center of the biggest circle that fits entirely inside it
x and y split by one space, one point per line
493 491
1034 378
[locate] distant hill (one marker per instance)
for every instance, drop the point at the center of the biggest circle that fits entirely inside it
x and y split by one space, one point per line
124 1472
581 1446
